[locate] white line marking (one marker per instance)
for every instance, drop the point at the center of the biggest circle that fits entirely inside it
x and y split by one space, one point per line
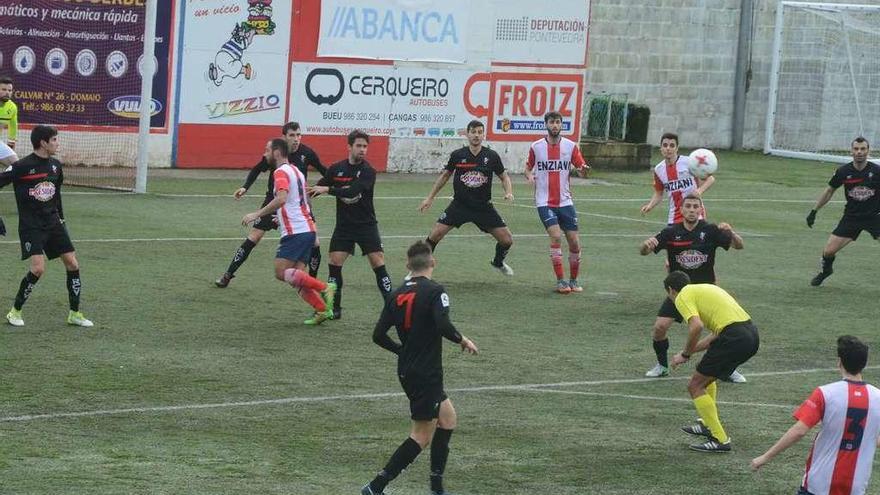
368 396
607 294
667 399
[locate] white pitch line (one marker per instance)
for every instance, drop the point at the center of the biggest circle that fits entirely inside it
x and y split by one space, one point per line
368 396
666 399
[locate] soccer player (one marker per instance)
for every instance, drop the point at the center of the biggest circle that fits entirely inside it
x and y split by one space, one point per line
732 340
548 169
690 247
352 182
471 168
673 176
298 232
420 311
861 182
842 454
8 113
301 157
37 180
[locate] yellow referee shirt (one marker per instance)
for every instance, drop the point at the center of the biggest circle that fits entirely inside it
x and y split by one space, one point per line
9 119
715 307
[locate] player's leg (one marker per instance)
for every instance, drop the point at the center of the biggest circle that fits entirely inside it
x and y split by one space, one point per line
446 423
35 271
315 257
452 217
383 280
488 220
699 388
74 290
241 254
574 259
845 232
438 232
666 315
290 267
551 225
340 249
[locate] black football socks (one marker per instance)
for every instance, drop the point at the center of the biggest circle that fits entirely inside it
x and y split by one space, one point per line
241 254
24 290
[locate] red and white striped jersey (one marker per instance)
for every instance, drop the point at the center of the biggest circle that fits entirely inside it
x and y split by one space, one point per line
295 215
677 182
551 165
842 454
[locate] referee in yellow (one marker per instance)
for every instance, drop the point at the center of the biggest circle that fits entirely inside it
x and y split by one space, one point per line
732 340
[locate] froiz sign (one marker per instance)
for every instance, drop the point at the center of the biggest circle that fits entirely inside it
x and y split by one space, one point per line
517 103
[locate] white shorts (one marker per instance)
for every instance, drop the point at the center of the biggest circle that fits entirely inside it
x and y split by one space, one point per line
6 151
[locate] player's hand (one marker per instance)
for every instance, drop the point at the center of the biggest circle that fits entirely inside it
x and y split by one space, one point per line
811 218
678 360
758 462
239 193
467 345
725 226
530 178
249 219
425 205
11 144
645 208
508 197
314 191
651 243
583 171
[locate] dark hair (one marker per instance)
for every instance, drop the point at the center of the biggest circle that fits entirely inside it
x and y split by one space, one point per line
5 80
290 126
853 354
693 196
281 145
676 281
357 134
669 135
474 124
418 256
42 133
859 139
553 115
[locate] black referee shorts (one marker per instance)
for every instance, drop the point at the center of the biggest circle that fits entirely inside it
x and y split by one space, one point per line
486 217
852 227
51 242
424 398
736 344
668 310
367 237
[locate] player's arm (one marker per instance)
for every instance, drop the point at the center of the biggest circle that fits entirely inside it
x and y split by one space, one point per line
315 162
703 185
791 437
380 332
6 177
365 182
822 201
655 198
446 328
530 164
271 207
581 165
649 245
695 328
252 176
435 189
58 203
736 241
507 185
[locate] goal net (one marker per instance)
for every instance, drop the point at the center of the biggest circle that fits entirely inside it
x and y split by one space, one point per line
825 80
78 68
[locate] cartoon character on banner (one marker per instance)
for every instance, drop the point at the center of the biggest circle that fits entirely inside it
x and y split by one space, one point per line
227 62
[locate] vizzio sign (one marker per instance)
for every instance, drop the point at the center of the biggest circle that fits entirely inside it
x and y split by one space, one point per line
430 30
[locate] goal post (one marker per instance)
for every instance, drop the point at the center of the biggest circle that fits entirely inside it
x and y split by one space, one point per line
143 151
824 80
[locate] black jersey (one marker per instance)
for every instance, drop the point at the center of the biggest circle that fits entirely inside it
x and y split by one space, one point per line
472 178
352 184
862 189
693 251
302 158
419 309
37 183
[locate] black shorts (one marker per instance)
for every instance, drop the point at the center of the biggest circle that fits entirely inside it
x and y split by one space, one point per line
2 227
803 491
737 344
486 218
668 310
424 398
367 237
52 242
852 227
267 222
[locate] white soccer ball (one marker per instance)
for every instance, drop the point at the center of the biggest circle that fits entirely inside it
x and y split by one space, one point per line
703 163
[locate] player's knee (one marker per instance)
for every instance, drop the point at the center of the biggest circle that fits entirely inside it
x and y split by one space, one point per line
38 269
695 388
423 438
661 328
